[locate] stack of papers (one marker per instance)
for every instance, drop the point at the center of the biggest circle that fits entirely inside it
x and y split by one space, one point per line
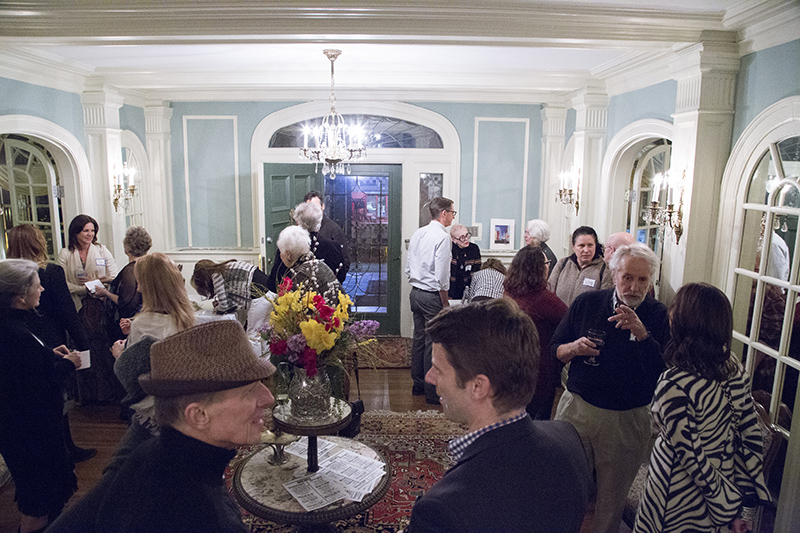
342 474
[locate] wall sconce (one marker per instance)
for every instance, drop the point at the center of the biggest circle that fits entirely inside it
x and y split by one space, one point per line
120 192
569 183
669 216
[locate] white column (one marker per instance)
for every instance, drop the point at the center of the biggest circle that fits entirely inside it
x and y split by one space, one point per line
591 126
157 193
703 125
554 118
101 106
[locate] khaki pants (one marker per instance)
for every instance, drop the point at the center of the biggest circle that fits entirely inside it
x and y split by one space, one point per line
615 443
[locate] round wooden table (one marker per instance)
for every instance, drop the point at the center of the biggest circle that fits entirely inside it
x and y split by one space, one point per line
258 487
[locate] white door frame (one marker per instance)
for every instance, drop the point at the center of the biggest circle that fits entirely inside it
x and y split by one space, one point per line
446 161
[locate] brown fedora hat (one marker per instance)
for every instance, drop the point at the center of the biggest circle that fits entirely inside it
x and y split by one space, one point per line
210 357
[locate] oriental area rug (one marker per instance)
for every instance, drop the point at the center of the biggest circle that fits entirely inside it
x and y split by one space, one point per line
415 444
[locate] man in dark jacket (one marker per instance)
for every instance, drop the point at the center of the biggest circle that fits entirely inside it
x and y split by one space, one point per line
209 399
512 474
330 229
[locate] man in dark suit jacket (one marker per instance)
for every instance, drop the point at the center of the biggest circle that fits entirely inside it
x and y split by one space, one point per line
512 474
331 230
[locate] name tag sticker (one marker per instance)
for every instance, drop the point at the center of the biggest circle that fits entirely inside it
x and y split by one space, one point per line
589 282
101 262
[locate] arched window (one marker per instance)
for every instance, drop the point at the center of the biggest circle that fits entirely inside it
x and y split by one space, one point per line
133 207
379 132
654 158
766 290
29 192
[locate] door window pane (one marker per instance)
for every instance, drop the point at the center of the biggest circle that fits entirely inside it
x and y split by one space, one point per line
430 186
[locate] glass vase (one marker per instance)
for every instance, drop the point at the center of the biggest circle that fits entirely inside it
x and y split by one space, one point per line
310 397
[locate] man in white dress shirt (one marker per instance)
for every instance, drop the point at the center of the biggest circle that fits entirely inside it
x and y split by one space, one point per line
428 271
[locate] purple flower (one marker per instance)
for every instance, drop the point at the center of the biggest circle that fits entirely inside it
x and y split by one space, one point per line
297 343
363 329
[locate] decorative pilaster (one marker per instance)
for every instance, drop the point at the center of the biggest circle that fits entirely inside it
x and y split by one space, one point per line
554 118
101 106
706 74
591 126
158 191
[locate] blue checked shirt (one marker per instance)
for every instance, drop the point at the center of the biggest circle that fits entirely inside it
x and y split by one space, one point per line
458 446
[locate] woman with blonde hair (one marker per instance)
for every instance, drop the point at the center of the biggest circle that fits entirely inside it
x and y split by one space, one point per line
166 310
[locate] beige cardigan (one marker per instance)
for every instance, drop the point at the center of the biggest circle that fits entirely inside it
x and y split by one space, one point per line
99 263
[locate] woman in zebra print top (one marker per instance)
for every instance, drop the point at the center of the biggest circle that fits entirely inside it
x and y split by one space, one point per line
706 464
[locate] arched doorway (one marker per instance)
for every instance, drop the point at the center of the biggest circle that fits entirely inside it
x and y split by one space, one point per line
414 165
756 262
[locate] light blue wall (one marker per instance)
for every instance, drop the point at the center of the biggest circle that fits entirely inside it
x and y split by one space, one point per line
765 77
132 118
500 169
569 126
656 101
211 170
60 107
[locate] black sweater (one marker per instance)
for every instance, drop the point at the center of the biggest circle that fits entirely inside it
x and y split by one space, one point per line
628 371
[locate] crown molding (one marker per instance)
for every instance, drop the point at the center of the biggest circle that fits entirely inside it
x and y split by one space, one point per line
762 24
101 21
40 68
635 71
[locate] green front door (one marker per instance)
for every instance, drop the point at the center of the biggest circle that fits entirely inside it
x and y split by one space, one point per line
285 185
367 205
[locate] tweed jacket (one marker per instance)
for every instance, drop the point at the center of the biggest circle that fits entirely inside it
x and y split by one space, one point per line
526 476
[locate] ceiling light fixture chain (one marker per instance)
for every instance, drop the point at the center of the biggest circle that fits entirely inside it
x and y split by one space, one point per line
336 144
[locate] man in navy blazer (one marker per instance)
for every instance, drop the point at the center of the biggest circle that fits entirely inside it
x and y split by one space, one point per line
512 474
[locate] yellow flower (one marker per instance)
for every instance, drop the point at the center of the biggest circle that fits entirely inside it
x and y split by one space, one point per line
316 336
344 300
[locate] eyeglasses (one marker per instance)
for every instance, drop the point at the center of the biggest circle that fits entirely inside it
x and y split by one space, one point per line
451 211
464 237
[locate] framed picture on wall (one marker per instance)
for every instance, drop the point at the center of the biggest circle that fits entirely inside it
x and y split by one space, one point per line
502 234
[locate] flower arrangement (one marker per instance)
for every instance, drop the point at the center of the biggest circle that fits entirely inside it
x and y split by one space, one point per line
313 333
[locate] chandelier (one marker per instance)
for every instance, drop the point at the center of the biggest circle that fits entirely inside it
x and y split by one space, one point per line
336 144
569 183
667 217
121 193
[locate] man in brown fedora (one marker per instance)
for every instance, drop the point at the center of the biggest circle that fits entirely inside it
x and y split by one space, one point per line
209 399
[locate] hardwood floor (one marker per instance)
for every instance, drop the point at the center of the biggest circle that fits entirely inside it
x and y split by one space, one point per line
99 427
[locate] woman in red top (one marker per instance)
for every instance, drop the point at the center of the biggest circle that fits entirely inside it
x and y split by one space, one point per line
526 284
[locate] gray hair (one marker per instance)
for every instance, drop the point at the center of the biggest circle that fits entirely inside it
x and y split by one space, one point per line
16 279
309 216
538 230
137 241
295 241
455 227
637 250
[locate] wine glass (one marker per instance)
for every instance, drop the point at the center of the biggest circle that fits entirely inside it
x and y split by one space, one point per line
598 337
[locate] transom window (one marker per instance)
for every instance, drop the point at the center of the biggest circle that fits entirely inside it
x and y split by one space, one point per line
379 131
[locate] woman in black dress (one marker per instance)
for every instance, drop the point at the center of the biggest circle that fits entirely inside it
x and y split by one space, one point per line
31 401
55 321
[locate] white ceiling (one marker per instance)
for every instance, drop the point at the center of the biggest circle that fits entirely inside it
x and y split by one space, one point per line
409 49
